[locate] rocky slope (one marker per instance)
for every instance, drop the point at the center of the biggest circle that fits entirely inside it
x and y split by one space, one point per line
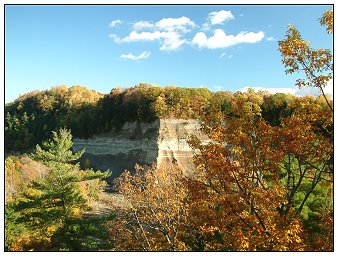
162 141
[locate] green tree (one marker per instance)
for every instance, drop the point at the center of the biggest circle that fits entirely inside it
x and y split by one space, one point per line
13 227
51 200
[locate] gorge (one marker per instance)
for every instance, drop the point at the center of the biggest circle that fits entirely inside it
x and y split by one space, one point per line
163 141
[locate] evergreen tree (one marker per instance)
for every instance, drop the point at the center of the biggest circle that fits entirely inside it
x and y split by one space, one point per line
58 196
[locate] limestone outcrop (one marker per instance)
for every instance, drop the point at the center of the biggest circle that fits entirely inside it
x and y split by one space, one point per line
162 142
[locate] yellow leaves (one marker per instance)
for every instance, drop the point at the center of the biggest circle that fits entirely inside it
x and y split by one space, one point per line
28 240
315 63
294 50
244 214
76 212
33 192
244 244
208 229
157 208
51 229
327 20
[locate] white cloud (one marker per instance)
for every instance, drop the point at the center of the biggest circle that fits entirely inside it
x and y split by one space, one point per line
167 31
115 38
303 91
271 90
143 36
205 27
328 89
182 24
271 38
221 40
218 87
200 39
143 25
222 55
168 40
115 23
131 56
171 41
220 17
170 33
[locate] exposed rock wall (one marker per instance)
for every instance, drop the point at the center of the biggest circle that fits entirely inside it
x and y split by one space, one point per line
162 141
173 144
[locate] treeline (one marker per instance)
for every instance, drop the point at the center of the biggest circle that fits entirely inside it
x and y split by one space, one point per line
31 118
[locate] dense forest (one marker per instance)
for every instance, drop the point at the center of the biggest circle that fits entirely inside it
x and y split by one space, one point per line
31 118
269 189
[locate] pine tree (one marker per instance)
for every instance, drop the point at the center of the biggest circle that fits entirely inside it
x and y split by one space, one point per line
58 196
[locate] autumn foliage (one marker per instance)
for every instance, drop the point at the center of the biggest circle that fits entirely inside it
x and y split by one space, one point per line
263 182
155 216
256 187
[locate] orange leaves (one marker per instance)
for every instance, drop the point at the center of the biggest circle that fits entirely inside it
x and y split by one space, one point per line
300 134
242 193
234 195
239 188
155 213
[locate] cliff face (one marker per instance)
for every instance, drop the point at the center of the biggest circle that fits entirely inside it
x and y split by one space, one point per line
173 145
162 141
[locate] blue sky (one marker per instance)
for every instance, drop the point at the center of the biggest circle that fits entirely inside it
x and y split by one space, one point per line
220 47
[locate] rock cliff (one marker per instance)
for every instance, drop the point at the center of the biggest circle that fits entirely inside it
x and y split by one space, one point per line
162 141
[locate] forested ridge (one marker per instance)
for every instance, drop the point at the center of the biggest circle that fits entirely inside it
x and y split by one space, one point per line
264 182
31 118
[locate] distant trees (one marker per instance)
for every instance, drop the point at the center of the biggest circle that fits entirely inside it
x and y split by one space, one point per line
31 118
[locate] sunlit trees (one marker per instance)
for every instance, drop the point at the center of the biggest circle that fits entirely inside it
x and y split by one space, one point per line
19 172
264 182
312 125
257 181
237 195
307 170
327 20
315 63
155 215
59 193
56 196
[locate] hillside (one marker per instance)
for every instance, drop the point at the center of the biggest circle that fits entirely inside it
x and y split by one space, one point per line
31 118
